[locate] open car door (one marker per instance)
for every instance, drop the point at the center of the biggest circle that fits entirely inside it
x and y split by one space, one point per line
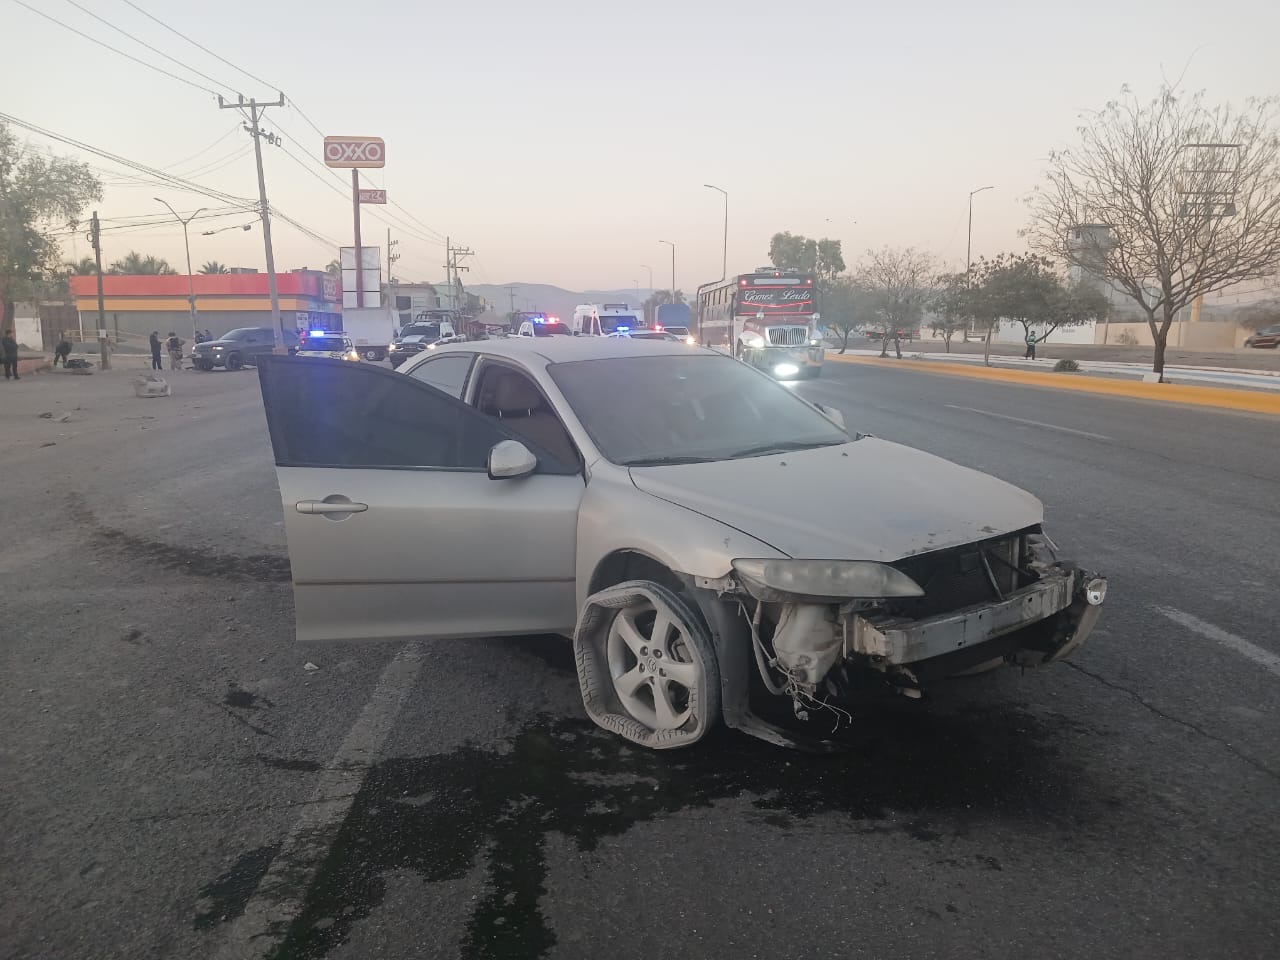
395 527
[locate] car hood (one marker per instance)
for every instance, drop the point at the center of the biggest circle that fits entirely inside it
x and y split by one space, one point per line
865 500
210 344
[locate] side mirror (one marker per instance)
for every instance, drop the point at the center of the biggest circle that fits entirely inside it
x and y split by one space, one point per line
832 414
510 459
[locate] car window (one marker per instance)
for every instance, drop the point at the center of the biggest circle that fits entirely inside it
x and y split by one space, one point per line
330 413
447 373
698 407
511 397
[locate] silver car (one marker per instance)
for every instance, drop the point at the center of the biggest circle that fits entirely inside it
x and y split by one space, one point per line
704 536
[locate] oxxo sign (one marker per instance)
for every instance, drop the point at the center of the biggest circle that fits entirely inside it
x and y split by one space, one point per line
355 152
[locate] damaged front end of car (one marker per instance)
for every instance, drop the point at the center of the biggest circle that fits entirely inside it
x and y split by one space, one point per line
824 633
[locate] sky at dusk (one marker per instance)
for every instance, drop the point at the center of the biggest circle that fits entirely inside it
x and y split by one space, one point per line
561 141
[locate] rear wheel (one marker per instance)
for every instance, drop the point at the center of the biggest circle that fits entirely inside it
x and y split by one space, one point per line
371 354
646 666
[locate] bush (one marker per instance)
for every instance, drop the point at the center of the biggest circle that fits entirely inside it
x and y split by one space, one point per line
1127 338
1066 366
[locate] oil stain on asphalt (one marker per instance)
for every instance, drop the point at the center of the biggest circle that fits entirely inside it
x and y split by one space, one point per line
442 816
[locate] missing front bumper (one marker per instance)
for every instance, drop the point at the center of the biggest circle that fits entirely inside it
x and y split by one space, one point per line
1075 594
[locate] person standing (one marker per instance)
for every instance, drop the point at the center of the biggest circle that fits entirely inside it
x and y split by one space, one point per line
1031 345
9 354
155 351
174 343
62 351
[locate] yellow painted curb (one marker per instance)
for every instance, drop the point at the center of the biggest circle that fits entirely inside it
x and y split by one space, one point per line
1252 401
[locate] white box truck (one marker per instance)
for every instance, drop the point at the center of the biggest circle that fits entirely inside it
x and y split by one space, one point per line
371 330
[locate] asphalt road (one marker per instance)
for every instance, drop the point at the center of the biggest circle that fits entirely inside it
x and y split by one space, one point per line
177 784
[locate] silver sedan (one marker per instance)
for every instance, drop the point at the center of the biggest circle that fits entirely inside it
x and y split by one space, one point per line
703 535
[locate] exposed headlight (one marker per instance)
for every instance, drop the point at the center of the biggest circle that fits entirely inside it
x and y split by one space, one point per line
691 341
353 355
391 346
786 370
826 579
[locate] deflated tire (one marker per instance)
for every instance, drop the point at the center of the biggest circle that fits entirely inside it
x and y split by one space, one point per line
646 666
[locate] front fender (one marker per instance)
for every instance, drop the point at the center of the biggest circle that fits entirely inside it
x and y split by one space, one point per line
614 516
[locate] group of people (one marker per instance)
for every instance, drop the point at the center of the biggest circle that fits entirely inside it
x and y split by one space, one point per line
173 344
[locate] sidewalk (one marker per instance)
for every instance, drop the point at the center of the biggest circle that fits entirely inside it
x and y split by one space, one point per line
1201 395
1173 373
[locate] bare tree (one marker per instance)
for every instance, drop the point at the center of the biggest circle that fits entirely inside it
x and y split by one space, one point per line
901 279
1168 200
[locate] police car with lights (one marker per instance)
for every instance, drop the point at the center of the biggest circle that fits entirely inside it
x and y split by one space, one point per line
325 343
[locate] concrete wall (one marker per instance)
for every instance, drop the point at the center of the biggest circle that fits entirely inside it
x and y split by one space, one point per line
1198 336
1010 331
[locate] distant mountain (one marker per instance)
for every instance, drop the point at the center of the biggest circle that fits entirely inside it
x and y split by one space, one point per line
554 300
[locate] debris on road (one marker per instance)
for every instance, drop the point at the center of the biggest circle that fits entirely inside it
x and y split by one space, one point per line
151 385
310 667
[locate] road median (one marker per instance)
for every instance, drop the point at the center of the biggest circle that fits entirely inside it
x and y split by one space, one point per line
1223 398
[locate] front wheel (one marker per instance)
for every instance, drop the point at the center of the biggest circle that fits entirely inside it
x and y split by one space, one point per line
646 666
235 362
205 365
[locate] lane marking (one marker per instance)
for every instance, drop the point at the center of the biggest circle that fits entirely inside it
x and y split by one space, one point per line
280 895
1264 658
1030 423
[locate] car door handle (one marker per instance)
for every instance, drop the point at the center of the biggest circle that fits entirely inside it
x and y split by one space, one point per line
330 505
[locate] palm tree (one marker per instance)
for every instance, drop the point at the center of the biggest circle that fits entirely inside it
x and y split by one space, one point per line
213 266
334 269
134 264
83 267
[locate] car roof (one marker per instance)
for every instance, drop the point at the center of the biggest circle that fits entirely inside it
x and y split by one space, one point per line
567 349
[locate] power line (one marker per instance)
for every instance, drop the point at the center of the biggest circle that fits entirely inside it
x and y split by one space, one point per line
127 56
178 163
160 176
126 33
201 46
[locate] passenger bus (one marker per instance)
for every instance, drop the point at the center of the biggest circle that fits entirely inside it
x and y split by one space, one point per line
767 319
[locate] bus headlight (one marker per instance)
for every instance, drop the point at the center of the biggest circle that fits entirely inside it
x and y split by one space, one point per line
786 370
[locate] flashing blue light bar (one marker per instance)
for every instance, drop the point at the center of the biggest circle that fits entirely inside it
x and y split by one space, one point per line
317 333
622 328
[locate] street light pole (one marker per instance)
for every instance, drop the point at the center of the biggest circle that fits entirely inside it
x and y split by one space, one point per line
968 250
724 263
673 268
645 266
191 282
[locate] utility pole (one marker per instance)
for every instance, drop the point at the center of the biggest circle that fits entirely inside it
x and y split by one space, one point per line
254 114
391 259
511 292
452 267
95 238
191 281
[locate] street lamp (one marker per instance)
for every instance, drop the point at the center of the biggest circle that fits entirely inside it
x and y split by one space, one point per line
673 268
191 282
724 263
210 233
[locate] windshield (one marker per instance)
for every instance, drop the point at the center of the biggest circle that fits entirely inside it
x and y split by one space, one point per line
650 410
610 324
550 330
240 334
429 330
